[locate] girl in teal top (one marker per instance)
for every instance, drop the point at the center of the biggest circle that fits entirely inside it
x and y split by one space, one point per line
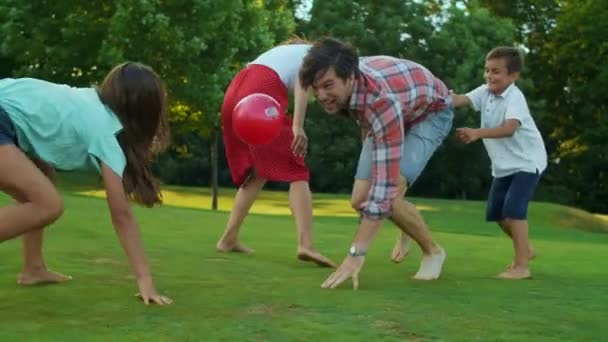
116 128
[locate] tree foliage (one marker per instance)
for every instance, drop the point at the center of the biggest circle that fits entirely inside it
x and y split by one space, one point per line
575 76
195 45
198 46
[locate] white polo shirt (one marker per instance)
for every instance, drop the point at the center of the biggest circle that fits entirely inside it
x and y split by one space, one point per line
525 150
286 61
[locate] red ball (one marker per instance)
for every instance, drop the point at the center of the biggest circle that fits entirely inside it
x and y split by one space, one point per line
257 119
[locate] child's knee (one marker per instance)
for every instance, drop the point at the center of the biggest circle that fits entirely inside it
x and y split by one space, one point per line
50 207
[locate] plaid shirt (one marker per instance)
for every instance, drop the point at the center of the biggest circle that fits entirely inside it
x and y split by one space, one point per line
389 96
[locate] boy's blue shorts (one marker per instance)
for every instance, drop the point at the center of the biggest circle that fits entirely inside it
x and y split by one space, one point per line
7 130
509 196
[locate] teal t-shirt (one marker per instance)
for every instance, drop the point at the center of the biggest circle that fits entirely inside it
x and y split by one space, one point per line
65 126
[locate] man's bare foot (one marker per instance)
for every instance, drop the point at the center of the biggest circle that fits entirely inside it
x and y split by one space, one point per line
316 257
401 249
515 273
235 247
430 266
42 276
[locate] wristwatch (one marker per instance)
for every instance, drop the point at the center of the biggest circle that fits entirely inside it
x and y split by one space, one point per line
354 252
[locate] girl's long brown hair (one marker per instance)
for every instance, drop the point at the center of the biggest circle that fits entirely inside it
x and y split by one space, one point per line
138 98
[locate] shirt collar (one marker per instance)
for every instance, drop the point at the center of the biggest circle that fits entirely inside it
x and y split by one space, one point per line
507 91
358 97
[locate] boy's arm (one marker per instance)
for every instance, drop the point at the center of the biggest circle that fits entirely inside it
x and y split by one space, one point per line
364 128
460 100
473 98
364 132
469 135
128 233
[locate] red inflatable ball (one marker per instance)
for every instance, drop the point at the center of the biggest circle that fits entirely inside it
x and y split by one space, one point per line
257 119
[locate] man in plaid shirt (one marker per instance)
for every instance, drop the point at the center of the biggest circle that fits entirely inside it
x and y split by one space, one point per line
405 113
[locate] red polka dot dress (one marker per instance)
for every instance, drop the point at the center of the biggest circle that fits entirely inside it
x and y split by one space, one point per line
273 161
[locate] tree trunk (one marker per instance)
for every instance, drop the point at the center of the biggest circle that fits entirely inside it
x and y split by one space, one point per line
214 185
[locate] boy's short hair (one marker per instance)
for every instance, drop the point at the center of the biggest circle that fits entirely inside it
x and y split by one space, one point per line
327 53
511 55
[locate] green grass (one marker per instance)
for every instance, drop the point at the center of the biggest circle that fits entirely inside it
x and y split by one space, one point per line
271 296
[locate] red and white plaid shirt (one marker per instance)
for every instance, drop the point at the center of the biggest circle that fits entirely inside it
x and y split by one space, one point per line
389 96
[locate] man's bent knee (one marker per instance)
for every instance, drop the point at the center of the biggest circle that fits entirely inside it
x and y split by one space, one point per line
356 203
360 193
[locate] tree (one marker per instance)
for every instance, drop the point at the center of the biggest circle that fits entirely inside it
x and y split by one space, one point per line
195 45
459 46
575 79
393 27
451 41
532 18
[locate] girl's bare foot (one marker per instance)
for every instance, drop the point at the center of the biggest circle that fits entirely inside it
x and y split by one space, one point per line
41 276
235 247
401 249
316 257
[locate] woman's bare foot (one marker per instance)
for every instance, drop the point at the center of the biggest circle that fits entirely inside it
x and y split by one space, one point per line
515 273
316 257
41 276
401 249
235 247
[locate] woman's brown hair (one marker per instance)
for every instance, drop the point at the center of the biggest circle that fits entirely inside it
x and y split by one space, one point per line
295 39
138 97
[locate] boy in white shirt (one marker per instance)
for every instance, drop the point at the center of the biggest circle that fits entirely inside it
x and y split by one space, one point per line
515 147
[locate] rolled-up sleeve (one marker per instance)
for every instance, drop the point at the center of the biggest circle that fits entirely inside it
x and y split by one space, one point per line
386 129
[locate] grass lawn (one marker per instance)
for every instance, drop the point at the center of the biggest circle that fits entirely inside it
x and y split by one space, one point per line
271 296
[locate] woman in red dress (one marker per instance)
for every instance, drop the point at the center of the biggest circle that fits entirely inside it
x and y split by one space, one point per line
274 73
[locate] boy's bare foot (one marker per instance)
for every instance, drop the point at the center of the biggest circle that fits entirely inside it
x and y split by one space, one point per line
401 249
430 266
316 257
531 256
42 276
235 247
515 274
531 253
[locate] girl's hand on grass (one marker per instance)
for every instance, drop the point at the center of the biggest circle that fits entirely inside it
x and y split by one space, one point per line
350 268
148 293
